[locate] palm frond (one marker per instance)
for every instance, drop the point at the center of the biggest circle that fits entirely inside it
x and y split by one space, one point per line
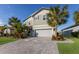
58 15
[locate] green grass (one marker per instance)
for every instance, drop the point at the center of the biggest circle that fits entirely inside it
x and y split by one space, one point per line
69 48
4 40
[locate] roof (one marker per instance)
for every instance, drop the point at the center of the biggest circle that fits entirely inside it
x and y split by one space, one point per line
70 27
39 11
36 12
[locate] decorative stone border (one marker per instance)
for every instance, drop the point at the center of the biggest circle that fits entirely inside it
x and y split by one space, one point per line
65 41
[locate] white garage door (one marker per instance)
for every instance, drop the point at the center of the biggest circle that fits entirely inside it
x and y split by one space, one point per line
44 33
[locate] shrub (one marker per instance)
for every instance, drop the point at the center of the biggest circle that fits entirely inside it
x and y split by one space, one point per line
75 34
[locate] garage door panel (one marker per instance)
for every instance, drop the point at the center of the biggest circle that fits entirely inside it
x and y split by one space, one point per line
44 33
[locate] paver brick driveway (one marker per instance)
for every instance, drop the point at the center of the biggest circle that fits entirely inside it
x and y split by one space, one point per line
37 45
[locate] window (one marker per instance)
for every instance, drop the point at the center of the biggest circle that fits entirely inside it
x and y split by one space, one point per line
35 18
44 17
28 23
38 17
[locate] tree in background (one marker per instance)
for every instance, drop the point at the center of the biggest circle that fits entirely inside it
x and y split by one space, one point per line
76 17
20 30
16 25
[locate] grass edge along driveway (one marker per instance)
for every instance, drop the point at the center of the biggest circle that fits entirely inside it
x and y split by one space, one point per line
69 48
4 40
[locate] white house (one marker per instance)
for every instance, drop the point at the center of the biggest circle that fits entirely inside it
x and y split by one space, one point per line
38 20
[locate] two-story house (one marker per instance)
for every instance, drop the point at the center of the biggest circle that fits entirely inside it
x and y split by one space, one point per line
38 20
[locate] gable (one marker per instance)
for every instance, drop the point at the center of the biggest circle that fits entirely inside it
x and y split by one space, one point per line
40 11
35 13
38 14
43 12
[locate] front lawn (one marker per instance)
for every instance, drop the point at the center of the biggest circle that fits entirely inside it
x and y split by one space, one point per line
4 40
69 48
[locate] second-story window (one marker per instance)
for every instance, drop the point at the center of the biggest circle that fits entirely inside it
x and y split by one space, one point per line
29 23
35 18
38 17
44 17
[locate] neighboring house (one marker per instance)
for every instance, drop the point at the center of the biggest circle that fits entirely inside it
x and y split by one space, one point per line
1 27
9 30
68 31
38 21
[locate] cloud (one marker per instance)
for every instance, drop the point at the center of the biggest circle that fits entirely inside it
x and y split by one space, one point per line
1 23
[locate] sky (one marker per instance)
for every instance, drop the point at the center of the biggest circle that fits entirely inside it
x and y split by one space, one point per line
22 11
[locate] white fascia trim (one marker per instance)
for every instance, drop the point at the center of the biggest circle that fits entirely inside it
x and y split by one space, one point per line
73 28
38 10
68 29
42 27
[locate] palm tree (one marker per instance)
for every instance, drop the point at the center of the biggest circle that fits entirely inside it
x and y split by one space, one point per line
57 16
16 25
76 17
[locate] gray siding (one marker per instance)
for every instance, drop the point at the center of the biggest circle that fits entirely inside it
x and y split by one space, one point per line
67 33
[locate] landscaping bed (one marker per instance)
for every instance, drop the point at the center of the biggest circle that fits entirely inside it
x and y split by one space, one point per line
69 48
4 40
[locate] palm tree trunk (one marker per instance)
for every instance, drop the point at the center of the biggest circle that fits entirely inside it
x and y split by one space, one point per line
54 33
